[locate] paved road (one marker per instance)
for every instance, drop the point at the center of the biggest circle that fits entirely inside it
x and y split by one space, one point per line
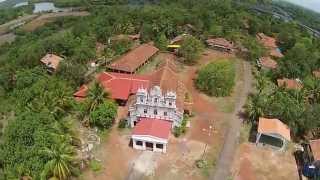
222 171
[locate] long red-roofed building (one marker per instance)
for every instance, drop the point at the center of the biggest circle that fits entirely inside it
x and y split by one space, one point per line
134 59
120 86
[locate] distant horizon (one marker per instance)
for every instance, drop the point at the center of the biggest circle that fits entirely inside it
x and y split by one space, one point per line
309 4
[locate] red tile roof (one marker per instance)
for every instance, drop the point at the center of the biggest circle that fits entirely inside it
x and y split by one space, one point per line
276 53
132 60
220 42
268 42
290 83
81 93
178 38
268 62
315 148
316 73
167 79
152 127
273 126
51 61
121 86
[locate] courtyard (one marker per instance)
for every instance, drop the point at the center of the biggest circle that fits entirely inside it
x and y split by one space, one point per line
120 161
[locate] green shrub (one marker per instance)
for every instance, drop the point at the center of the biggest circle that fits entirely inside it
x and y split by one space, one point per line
103 116
217 78
122 124
201 163
178 131
95 165
121 46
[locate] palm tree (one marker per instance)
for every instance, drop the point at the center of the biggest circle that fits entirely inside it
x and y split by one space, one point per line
65 129
96 96
60 164
254 107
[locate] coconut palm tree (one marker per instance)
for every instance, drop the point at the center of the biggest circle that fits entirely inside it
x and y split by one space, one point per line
254 107
61 161
96 96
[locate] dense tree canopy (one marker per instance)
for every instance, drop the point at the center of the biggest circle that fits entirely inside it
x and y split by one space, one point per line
104 115
191 49
217 78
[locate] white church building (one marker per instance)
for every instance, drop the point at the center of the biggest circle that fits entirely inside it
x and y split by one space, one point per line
155 105
152 117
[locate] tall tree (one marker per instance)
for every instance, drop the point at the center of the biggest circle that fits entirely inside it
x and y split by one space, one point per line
191 49
60 161
97 95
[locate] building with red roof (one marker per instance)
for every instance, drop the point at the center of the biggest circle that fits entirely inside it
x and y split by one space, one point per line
220 44
51 61
268 63
270 44
290 83
151 134
267 41
273 132
316 73
120 86
134 59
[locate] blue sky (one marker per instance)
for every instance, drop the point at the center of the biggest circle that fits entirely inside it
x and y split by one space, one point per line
311 4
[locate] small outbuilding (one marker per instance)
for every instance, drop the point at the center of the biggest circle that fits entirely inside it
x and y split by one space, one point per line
294 84
220 44
267 63
273 133
316 73
51 61
151 134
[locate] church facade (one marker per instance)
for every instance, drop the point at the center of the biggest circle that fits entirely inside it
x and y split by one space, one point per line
155 104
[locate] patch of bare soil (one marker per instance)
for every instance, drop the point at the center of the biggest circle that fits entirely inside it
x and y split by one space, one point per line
10 37
50 17
114 154
258 163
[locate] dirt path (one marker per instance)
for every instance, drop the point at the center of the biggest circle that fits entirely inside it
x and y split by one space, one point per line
232 135
5 28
